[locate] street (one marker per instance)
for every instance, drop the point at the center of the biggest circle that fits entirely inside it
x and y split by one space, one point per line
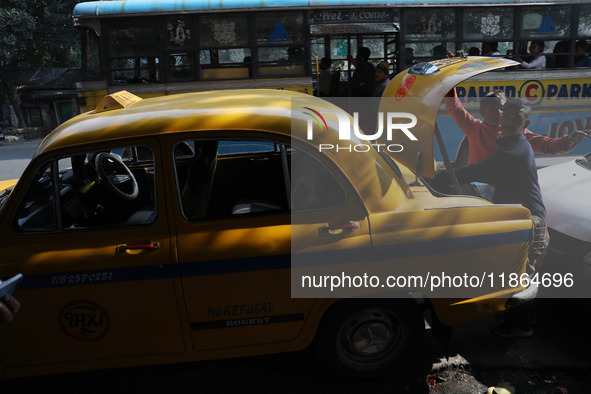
554 360
15 157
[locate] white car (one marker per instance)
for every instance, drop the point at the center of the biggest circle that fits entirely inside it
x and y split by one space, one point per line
566 189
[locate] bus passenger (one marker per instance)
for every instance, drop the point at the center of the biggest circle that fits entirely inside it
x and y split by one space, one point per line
538 59
408 60
560 59
324 77
582 59
482 134
439 52
382 76
490 49
363 80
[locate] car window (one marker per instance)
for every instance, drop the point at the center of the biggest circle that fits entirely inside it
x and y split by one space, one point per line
231 177
37 210
234 147
225 178
313 186
92 189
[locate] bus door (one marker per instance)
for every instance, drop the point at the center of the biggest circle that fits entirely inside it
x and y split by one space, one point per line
338 48
336 34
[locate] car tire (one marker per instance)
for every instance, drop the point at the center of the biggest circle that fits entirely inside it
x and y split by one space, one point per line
369 338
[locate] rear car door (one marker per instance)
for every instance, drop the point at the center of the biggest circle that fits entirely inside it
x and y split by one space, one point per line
235 237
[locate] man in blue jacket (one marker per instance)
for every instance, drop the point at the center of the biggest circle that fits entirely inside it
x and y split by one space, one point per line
512 170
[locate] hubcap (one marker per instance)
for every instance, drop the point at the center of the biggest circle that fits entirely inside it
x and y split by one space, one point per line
370 333
371 338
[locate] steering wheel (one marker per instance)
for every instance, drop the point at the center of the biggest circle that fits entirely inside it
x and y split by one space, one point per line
117 177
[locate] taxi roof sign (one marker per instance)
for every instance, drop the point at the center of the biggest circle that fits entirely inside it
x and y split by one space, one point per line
116 100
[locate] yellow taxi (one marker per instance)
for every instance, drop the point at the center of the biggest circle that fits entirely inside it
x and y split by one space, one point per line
162 230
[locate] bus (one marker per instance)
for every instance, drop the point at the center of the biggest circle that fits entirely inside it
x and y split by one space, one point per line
153 48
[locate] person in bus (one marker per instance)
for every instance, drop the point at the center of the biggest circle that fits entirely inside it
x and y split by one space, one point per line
582 59
482 134
8 306
490 49
560 57
382 76
538 59
324 77
409 58
363 79
439 51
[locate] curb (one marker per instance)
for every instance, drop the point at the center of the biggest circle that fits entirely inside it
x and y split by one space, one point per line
10 139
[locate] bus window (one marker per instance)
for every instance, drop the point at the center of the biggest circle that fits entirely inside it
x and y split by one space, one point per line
541 22
225 30
182 67
179 32
133 54
281 37
282 60
318 47
424 27
585 21
490 24
488 48
225 63
225 38
376 46
421 23
181 57
135 70
91 45
430 50
280 28
339 49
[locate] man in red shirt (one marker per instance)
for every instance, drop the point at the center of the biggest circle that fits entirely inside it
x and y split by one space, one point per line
482 134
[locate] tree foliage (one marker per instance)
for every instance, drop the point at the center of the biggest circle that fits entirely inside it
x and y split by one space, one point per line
16 31
35 33
38 33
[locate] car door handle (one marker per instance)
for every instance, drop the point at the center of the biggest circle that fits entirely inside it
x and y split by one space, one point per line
339 229
148 246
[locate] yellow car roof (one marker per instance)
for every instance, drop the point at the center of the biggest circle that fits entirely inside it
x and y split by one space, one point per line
248 109
240 110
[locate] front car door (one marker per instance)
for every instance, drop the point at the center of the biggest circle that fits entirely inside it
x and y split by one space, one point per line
89 232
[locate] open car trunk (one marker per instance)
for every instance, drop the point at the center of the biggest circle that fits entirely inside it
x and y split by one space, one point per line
420 90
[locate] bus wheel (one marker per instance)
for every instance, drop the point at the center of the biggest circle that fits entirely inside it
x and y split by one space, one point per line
369 338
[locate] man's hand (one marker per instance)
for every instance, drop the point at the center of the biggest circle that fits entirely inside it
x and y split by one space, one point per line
577 136
8 305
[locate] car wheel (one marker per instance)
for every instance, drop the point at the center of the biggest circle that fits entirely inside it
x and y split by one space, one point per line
368 338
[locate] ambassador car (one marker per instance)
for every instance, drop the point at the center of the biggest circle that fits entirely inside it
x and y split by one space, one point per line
180 228
565 188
